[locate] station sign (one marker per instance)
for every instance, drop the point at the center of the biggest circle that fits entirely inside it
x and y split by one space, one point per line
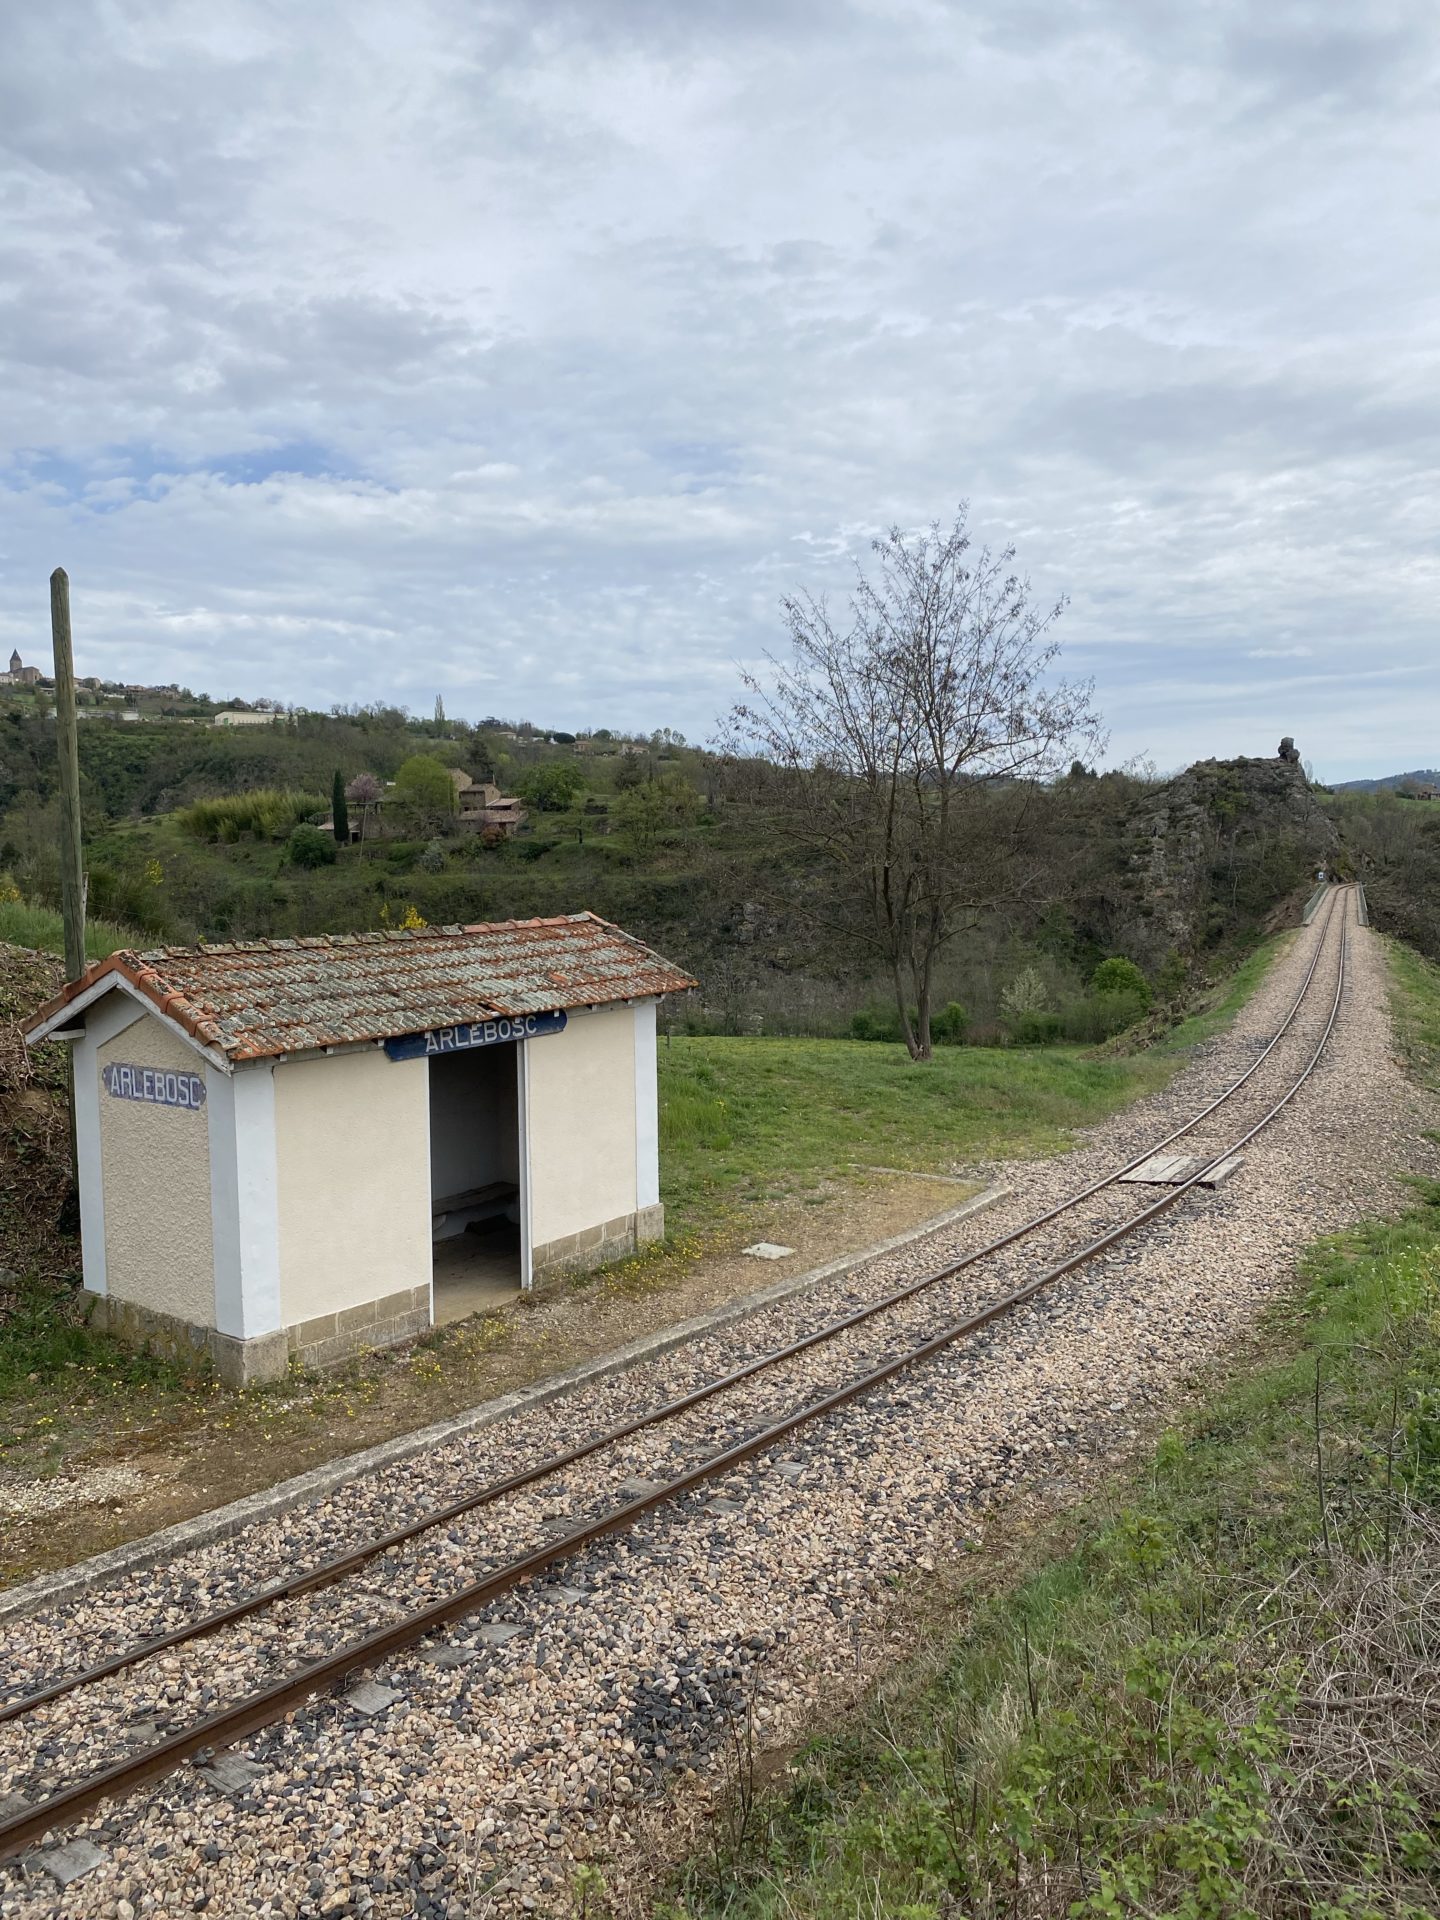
500 1031
157 1086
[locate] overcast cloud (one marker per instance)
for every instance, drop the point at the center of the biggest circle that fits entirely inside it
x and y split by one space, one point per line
527 354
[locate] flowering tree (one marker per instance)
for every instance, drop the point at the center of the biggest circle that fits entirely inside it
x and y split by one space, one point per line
364 792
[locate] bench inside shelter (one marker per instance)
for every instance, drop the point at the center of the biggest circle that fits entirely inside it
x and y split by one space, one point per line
480 1203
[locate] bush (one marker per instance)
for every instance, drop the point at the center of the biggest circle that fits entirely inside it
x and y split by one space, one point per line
1117 976
875 1023
1035 1029
1099 1015
949 1026
266 813
309 847
432 860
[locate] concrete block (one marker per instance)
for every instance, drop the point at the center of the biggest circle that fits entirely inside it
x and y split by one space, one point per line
369 1697
245 1363
496 1632
232 1773
352 1319
69 1862
446 1657
309 1333
649 1225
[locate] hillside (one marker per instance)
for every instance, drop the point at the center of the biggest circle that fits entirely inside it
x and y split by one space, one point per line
1390 782
670 841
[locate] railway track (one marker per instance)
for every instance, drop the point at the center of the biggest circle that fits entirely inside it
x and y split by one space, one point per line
263 1705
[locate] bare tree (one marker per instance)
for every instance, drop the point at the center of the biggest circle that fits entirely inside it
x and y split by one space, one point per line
898 733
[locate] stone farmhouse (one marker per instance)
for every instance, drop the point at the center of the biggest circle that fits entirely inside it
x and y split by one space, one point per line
20 675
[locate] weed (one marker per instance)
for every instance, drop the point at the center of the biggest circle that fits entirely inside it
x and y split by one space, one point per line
1212 1706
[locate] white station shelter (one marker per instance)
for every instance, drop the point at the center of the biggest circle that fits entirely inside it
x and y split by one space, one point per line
292 1147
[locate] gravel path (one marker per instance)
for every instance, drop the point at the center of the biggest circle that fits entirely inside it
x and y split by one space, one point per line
544 1730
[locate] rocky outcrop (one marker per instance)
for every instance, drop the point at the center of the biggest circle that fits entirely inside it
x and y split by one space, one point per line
1223 842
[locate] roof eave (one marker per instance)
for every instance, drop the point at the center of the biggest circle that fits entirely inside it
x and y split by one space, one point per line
59 1013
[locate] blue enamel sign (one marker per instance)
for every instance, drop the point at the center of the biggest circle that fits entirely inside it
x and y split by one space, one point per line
478 1033
158 1086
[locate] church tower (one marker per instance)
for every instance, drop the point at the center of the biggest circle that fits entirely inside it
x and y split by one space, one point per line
15 661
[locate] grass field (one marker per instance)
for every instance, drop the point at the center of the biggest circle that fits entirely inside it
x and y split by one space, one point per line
744 1121
1208 1693
1415 1006
747 1121
22 925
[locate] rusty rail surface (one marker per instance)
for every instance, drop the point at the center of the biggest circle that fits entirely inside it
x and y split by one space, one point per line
261 1709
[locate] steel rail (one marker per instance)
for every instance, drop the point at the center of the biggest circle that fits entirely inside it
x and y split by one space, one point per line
228 1724
341 1566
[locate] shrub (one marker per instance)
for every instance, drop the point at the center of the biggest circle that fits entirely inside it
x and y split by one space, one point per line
1117 976
432 860
1035 1029
1099 1015
309 847
949 1026
875 1023
266 813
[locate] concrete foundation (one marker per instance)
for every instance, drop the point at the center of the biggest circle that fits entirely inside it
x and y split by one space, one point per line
244 1363
239 1363
596 1246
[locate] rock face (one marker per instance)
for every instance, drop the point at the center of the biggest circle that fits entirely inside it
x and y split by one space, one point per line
1223 841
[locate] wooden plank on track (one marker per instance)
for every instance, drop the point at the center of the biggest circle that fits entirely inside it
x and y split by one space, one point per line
1174 1169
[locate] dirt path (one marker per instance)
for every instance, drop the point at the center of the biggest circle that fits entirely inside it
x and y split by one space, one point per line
118 1469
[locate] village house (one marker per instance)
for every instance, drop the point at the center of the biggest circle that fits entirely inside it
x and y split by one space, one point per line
20 675
482 808
300 1148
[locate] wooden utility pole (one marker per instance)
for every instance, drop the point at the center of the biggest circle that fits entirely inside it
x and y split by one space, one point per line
72 859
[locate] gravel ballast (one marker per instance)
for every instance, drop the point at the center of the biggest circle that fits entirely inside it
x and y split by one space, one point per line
544 1730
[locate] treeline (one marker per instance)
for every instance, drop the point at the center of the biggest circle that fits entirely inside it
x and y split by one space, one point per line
1393 844
684 849
144 768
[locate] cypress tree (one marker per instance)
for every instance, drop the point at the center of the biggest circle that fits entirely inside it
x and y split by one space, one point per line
339 811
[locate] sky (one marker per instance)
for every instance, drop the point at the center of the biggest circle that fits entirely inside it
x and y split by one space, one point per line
528 354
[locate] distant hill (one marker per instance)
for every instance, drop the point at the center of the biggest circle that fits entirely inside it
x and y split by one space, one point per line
1422 777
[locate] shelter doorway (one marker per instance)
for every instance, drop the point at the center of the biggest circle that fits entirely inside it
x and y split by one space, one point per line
476 1180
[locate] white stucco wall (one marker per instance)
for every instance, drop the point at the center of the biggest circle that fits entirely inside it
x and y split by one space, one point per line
580 1113
108 1017
244 1179
352 1149
155 1164
647 1107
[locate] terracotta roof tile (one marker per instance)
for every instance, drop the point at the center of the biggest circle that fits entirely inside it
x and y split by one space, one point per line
259 998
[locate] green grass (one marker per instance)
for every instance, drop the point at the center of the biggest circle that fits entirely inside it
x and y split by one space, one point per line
1136 1713
23 925
1133 1727
41 1338
1415 1006
745 1121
